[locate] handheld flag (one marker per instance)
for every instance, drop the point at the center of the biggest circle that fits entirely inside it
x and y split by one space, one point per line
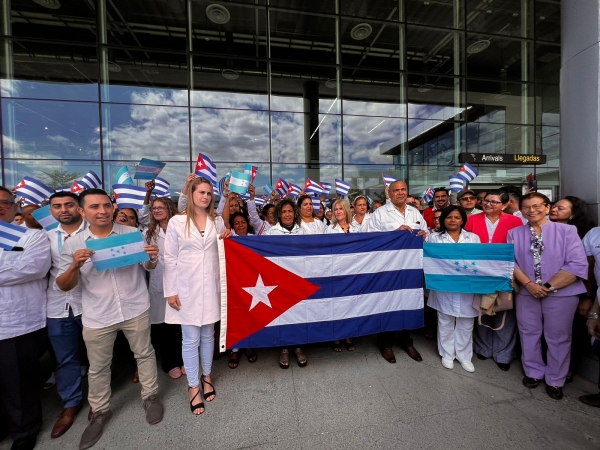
239 182
370 200
312 187
326 188
123 176
222 181
342 187
294 190
316 202
468 173
161 187
268 189
76 188
456 183
252 170
388 179
148 169
33 191
259 201
10 235
206 168
117 251
282 187
90 181
427 195
44 218
129 196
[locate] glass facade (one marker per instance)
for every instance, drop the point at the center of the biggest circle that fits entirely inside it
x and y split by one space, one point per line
322 89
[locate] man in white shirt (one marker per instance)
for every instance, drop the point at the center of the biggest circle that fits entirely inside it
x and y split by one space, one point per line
23 284
112 300
397 215
64 313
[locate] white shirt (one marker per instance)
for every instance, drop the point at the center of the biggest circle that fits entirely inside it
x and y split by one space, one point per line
491 228
277 229
111 296
23 285
59 301
591 244
315 227
362 226
331 229
388 218
260 226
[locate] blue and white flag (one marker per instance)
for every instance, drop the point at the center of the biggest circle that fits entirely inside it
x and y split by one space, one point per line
252 170
90 181
326 188
388 179
161 187
370 200
129 196
294 190
456 183
206 168
239 182
221 185
117 251
148 169
282 187
33 191
44 218
63 189
259 201
316 201
313 188
468 173
342 187
123 176
268 189
469 268
10 235
427 195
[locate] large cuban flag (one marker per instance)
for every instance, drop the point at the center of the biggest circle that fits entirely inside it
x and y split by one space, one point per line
469 268
293 290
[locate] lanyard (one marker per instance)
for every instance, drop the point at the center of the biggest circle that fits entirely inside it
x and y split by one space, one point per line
60 242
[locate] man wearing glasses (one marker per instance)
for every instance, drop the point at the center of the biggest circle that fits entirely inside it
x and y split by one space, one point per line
441 199
468 201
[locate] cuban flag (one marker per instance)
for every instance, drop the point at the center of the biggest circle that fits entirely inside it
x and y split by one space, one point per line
44 218
117 251
427 195
456 183
221 185
148 169
90 181
259 201
295 290
239 182
387 179
370 200
282 187
469 268
10 235
468 173
312 187
161 187
316 202
76 188
33 191
294 190
129 196
206 168
342 187
326 188
251 170
123 176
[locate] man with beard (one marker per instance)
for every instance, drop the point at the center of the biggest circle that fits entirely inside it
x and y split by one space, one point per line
64 313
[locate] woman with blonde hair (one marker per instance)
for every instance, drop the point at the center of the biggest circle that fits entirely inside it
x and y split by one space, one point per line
192 285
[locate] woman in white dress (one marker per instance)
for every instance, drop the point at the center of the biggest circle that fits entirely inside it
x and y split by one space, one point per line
192 285
361 213
308 222
455 310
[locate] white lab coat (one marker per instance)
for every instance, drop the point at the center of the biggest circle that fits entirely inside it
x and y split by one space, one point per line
315 227
362 227
277 230
337 229
192 272
158 301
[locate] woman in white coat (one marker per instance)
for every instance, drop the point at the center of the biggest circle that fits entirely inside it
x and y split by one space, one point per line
308 222
455 310
192 286
166 338
361 213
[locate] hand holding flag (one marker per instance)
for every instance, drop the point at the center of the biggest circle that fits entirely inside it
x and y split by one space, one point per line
206 168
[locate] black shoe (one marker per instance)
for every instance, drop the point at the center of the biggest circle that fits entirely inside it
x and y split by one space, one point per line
504 367
25 443
530 382
554 392
591 400
481 357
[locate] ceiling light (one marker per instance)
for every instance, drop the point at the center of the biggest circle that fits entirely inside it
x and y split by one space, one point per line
426 87
361 31
331 83
478 47
218 14
50 4
114 67
230 74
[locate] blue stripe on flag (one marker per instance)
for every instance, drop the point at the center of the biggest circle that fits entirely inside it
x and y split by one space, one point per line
501 252
9 236
121 261
114 241
470 284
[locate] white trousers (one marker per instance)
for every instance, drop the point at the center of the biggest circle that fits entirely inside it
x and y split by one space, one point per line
455 337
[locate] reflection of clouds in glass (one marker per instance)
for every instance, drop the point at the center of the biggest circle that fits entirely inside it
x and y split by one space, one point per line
10 88
364 135
287 137
374 109
295 104
234 100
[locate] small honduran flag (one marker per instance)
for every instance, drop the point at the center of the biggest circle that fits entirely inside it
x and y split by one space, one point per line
123 176
427 195
387 179
326 188
294 190
44 218
252 171
10 235
161 187
33 191
316 201
129 195
468 173
90 181
456 183
312 187
239 182
268 189
282 187
76 188
342 187
206 168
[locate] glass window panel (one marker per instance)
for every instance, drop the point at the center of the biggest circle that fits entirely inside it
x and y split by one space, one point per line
243 33
548 109
432 142
145 131
437 98
321 6
53 173
509 59
547 63
424 177
491 101
371 44
384 10
174 172
439 13
373 93
229 83
500 138
45 129
231 135
434 51
298 173
547 20
142 77
509 17
373 140
367 179
302 37
72 21
263 175
295 87
306 138
549 141
49 71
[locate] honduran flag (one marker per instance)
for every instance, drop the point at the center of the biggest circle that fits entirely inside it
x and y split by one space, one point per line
206 168
282 187
469 268
268 189
252 171
388 179
312 187
44 218
456 183
294 290
129 196
239 182
342 187
123 176
116 251
326 188
294 190
90 181
33 191
10 235
468 173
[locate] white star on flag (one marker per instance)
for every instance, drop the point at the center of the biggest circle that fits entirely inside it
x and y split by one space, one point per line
260 293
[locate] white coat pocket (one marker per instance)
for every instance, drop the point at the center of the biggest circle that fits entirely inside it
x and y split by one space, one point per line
183 287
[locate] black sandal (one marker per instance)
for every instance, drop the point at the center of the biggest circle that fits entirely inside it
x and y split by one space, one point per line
233 362
197 405
337 347
349 346
251 355
208 394
302 360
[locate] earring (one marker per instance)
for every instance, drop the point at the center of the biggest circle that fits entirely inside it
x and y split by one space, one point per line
571 218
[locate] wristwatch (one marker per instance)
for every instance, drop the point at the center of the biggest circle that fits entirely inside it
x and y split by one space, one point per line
550 287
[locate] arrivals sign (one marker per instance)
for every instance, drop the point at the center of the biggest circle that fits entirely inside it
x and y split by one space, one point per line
501 158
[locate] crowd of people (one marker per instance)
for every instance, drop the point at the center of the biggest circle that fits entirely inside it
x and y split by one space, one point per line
169 305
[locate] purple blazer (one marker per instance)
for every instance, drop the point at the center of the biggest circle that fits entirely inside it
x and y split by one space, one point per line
564 250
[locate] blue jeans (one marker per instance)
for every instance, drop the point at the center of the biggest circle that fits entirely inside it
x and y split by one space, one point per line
194 337
64 336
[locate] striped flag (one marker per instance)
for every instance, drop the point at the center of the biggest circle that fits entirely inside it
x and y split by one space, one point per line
161 187
294 190
239 182
117 251
342 187
90 181
63 189
221 185
468 173
281 187
316 201
469 268
268 189
387 179
76 188
129 196
456 183
123 176
427 195
326 188
252 170
44 218
10 235
259 201
148 169
312 187
370 200
206 168
33 191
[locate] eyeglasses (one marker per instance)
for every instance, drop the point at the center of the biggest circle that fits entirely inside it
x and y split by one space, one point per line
467 199
6 204
436 219
536 207
491 202
158 209
480 198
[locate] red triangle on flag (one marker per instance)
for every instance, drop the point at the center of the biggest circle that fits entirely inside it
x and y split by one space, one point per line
20 185
244 267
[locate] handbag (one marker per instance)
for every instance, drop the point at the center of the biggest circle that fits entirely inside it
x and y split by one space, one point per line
490 304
